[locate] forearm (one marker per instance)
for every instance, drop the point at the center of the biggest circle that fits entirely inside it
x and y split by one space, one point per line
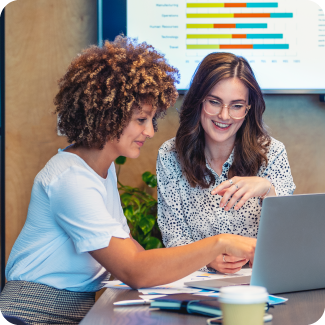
167 265
158 266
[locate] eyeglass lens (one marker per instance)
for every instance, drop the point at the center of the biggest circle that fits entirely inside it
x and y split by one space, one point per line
214 107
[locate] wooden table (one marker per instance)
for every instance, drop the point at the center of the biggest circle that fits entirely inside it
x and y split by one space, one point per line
302 308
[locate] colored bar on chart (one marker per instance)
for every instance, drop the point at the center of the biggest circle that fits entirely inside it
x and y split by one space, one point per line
254 36
281 15
217 46
250 36
239 36
210 15
203 47
195 36
202 26
271 46
237 46
251 25
250 15
205 5
233 5
262 5
226 25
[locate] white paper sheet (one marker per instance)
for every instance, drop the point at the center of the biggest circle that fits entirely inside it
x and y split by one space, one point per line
178 286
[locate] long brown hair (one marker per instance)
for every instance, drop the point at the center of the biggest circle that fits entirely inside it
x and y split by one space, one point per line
252 140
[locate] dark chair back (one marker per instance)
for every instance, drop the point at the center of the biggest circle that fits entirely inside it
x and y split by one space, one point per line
14 320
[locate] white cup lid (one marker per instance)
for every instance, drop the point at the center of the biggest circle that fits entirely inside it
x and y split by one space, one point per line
243 295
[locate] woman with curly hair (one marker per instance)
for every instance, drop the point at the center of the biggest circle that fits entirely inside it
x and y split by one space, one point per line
75 234
213 176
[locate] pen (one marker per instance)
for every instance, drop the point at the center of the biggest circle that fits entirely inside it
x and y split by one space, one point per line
132 302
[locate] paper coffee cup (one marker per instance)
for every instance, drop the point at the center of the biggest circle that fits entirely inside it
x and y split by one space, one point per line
243 305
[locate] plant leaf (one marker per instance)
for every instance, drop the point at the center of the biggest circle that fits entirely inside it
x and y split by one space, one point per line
120 160
129 213
149 179
153 181
146 223
137 201
146 177
125 199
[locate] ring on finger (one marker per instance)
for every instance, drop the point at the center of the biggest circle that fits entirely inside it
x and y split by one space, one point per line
223 258
231 181
236 186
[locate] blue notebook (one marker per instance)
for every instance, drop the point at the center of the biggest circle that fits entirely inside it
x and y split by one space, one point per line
189 303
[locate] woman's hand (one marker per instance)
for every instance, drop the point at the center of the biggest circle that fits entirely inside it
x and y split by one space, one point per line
236 245
227 263
241 189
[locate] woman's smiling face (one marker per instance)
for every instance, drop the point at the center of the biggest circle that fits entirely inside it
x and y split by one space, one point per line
222 128
135 134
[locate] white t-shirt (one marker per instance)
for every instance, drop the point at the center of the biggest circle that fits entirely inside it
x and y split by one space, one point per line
72 211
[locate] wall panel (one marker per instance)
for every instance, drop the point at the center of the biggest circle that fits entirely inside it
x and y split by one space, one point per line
42 36
299 122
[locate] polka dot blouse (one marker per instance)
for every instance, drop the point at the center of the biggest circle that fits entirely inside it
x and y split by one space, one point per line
187 214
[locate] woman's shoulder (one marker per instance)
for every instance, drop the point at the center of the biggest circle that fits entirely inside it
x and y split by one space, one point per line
57 165
168 158
168 147
168 150
275 147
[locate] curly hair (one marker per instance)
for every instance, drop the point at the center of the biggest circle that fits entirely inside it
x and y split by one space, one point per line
252 140
104 85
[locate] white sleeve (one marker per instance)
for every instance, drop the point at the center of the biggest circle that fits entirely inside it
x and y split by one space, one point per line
122 218
77 201
278 170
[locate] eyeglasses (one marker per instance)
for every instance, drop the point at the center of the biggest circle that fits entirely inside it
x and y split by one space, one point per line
236 111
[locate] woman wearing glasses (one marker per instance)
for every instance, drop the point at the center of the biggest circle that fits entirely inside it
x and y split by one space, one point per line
213 176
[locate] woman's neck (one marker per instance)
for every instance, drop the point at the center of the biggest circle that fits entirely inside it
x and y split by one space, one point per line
98 160
218 153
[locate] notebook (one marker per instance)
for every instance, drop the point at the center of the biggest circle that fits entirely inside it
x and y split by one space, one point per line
289 253
189 303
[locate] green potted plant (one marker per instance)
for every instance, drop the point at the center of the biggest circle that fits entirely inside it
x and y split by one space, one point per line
140 210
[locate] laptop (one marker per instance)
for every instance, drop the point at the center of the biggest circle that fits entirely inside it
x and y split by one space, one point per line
290 248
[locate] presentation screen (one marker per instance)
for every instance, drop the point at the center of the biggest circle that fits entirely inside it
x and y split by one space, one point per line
284 41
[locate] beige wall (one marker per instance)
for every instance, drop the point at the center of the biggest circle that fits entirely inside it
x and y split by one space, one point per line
42 36
299 122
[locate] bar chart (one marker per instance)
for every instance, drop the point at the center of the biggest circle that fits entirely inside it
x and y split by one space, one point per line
205 15
283 40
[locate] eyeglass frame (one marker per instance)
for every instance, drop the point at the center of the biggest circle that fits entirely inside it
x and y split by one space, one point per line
247 108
